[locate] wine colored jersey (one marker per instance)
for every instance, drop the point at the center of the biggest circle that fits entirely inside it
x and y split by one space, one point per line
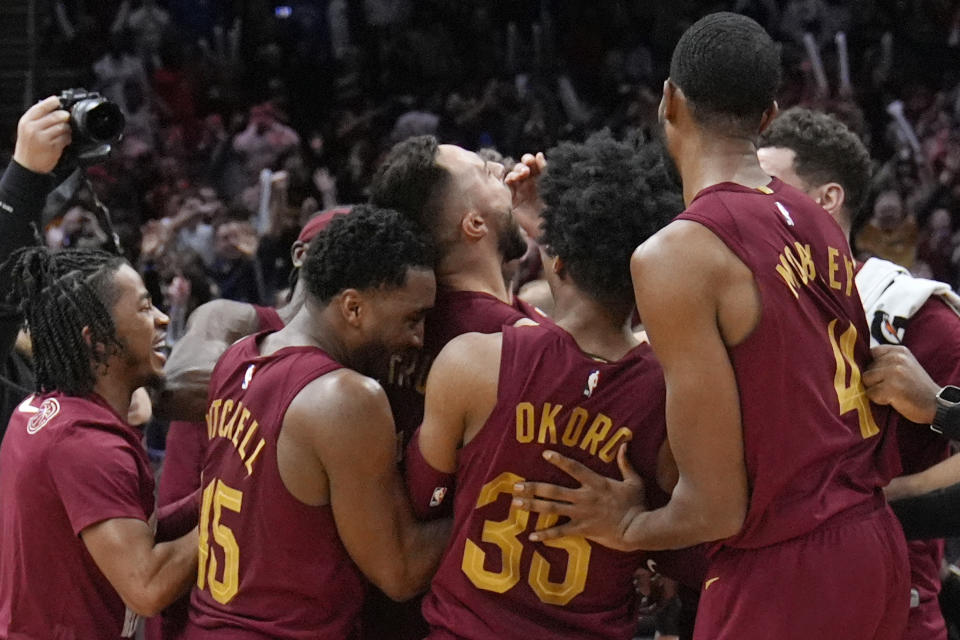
933 337
813 444
182 466
493 582
269 565
454 313
66 463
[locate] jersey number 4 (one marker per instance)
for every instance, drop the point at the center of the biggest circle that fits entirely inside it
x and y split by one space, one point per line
505 535
851 394
218 496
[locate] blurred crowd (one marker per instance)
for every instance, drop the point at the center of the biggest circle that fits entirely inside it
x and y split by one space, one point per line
245 118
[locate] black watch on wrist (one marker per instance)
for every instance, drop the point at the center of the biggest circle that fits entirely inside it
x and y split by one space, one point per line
947 398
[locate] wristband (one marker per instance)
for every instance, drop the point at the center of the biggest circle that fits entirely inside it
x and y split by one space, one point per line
947 398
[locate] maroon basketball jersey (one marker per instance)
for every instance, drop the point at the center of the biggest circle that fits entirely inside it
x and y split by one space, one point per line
814 446
180 477
267 318
493 582
455 313
66 463
269 565
933 337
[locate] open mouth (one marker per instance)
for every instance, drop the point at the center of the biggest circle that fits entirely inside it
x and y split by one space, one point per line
160 347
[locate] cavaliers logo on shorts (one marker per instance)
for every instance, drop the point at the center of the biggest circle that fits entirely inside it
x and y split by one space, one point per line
42 415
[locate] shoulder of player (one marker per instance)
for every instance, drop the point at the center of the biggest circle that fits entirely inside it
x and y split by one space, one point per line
469 354
224 320
338 396
683 250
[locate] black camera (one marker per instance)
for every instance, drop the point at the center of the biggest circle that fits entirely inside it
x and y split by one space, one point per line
96 124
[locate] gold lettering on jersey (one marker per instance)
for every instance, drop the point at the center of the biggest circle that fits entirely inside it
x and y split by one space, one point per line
609 451
596 434
832 255
524 422
596 440
228 420
797 268
227 408
212 414
578 419
548 423
848 263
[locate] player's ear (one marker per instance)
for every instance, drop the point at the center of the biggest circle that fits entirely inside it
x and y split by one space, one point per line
831 197
667 111
769 115
473 225
350 304
298 252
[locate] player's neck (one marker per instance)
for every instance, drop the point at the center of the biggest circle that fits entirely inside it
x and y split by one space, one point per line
598 329
289 310
114 392
309 327
476 272
707 160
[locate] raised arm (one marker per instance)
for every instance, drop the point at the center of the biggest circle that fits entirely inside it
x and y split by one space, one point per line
351 429
710 499
42 135
212 328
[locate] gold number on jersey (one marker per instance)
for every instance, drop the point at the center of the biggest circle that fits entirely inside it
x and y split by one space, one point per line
505 535
219 496
851 395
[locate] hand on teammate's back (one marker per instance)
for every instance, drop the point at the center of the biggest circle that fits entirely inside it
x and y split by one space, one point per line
600 509
42 134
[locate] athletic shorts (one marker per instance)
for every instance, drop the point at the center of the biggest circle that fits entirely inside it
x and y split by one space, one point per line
849 579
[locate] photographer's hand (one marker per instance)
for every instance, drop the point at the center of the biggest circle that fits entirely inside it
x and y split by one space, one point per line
42 134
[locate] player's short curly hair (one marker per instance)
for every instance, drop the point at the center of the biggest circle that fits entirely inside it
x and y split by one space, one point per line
826 151
410 181
603 198
728 68
368 249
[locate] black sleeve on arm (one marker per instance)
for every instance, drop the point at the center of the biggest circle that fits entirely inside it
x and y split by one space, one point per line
931 515
22 196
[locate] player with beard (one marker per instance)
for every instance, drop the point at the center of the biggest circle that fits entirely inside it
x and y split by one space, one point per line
585 383
302 496
78 557
463 202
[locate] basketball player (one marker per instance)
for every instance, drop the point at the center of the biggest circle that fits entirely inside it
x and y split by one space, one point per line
212 328
302 496
585 383
78 558
750 303
817 154
464 203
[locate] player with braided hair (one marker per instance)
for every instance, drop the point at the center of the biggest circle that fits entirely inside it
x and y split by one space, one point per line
76 487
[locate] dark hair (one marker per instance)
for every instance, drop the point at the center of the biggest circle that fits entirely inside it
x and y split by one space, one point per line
603 198
369 248
60 293
728 68
826 151
410 181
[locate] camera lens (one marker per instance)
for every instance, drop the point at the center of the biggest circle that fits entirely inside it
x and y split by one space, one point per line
98 119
